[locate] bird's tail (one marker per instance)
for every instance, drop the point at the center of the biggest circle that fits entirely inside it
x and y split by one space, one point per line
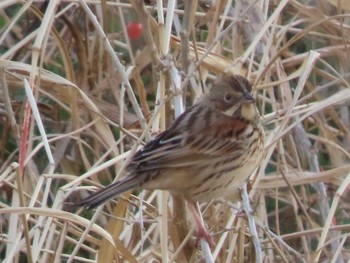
110 191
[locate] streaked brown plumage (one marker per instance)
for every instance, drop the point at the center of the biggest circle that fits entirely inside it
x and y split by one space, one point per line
209 151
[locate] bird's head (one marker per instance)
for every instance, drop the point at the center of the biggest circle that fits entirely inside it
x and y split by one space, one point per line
231 95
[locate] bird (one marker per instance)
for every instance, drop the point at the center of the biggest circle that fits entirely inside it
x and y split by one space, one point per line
208 152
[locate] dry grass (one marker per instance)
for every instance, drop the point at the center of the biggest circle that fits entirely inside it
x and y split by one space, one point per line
76 60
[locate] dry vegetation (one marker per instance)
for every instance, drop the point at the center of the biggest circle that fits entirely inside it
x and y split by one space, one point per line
100 95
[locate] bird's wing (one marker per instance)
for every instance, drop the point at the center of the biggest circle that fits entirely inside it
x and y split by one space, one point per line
179 147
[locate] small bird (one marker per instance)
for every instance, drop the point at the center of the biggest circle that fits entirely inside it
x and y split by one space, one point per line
209 151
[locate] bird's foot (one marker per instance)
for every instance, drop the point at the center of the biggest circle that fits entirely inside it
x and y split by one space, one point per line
204 234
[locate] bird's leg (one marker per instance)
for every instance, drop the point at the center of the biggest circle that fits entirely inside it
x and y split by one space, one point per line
202 231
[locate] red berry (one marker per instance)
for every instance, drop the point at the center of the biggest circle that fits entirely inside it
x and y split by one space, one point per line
134 30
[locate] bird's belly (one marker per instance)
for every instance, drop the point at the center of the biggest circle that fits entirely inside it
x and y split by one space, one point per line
225 183
218 177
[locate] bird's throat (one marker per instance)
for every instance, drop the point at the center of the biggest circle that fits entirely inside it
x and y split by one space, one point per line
248 111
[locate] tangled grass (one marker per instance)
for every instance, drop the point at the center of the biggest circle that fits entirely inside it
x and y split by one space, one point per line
98 95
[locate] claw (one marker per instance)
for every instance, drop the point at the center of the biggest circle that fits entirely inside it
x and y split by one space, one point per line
202 232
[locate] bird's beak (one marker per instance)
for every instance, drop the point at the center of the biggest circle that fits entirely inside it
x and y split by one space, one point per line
248 99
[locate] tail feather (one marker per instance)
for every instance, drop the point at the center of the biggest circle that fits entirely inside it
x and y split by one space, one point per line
110 191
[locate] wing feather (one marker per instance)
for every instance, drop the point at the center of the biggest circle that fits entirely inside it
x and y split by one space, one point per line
180 145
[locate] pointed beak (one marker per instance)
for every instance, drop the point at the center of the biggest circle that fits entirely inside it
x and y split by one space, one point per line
248 98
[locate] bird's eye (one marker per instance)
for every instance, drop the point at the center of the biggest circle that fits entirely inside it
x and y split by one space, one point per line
228 97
